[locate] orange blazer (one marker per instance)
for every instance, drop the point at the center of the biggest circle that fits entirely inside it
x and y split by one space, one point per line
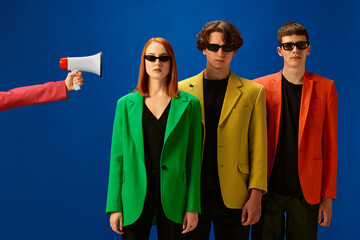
36 94
317 144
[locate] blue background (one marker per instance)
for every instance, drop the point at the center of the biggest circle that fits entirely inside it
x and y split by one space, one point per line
55 157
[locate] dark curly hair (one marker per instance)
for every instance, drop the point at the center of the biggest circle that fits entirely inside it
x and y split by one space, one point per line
231 34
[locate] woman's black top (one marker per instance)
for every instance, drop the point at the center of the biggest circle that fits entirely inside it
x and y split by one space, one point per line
154 134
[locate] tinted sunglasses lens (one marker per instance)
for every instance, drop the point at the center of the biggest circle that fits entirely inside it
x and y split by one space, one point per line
164 58
228 48
150 58
213 47
301 45
288 46
225 48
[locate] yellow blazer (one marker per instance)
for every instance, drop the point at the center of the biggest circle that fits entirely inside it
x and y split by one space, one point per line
242 137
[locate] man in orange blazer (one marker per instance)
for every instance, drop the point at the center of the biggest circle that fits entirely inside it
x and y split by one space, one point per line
233 171
302 144
37 94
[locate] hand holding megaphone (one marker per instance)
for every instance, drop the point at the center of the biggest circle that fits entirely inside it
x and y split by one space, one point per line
88 64
72 79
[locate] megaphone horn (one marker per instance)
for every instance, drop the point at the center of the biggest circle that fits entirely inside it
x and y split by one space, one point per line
87 64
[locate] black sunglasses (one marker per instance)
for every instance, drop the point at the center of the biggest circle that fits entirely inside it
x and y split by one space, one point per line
215 47
152 58
288 46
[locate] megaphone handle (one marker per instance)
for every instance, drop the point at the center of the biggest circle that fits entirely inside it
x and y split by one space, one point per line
76 86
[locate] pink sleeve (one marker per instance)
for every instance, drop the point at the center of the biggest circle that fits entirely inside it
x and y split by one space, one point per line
31 95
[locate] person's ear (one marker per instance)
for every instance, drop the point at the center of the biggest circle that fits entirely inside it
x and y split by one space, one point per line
204 51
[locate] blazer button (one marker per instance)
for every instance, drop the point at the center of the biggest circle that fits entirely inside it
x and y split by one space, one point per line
163 167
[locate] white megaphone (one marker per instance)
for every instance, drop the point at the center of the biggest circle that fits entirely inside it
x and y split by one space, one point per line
88 64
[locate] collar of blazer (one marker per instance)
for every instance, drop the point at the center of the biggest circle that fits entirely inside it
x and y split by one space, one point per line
135 110
233 93
308 84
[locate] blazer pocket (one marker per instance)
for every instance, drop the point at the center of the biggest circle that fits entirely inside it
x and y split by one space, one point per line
244 168
241 109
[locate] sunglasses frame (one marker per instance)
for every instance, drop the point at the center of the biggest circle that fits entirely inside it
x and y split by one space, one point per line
231 47
152 58
295 44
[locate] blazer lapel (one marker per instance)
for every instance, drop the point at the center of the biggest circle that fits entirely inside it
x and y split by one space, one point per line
305 102
276 90
232 95
177 108
135 107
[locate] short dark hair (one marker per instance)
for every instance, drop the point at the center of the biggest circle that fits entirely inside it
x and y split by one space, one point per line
291 28
231 34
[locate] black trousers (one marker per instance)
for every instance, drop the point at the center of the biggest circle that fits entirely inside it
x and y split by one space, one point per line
299 223
140 229
227 222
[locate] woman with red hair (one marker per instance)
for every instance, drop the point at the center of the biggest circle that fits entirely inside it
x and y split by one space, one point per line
155 152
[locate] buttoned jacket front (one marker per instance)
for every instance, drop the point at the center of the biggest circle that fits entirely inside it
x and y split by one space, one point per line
179 163
241 137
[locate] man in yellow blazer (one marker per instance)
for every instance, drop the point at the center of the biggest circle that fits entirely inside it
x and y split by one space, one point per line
233 172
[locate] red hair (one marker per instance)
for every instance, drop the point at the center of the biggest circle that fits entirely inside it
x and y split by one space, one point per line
172 83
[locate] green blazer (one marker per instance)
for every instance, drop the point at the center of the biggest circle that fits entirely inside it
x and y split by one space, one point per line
179 163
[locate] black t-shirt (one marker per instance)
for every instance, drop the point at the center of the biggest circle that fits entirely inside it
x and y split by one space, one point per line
284 177
154 134
214 93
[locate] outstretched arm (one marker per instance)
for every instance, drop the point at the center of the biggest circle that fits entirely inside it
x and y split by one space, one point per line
37 94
